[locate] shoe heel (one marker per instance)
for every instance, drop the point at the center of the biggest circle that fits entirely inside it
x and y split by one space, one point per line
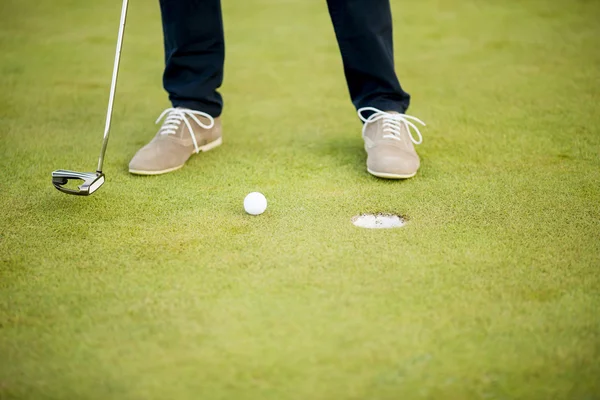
211 145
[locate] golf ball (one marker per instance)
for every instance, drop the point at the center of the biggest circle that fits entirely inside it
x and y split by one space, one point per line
255 203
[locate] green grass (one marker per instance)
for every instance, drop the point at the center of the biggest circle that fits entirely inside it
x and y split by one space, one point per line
162 288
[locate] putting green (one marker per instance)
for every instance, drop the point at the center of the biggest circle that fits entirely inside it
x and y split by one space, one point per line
163 288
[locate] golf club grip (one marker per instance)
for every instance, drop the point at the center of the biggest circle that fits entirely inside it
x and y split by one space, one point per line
113 85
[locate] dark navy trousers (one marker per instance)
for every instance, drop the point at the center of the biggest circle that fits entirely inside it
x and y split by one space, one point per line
195 53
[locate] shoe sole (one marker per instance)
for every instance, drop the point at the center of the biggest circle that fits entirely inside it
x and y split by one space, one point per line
386 175
204 149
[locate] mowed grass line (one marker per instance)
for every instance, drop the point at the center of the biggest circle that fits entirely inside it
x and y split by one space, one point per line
162 287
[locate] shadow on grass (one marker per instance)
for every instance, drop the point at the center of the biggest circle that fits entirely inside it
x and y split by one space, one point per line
351 156
347 153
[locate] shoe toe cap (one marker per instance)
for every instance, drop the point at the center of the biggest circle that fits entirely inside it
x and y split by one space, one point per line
393 164
154 158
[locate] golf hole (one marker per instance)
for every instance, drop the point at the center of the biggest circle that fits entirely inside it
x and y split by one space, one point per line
379 221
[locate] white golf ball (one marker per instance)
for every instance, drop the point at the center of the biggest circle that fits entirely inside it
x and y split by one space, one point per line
255 203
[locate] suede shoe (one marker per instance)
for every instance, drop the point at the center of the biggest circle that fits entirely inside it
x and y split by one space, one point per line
184 132
389 143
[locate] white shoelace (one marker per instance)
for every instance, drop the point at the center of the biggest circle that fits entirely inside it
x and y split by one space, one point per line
392 124
176 115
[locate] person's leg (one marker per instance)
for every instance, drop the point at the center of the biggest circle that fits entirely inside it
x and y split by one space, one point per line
364 32
194 53
194 56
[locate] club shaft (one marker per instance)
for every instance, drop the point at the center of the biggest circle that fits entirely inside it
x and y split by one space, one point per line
113 86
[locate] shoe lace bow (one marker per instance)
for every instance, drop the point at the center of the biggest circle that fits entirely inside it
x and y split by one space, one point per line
174 117
392 124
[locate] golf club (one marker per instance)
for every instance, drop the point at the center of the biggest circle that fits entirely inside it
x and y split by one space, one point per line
93 180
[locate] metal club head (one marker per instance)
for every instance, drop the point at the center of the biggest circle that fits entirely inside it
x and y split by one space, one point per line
91 181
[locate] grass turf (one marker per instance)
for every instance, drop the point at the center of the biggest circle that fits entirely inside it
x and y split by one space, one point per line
161 287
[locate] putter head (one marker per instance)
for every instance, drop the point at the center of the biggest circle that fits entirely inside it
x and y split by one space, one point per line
91 181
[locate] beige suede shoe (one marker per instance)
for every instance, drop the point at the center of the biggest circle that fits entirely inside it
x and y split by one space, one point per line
389 143
183 133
